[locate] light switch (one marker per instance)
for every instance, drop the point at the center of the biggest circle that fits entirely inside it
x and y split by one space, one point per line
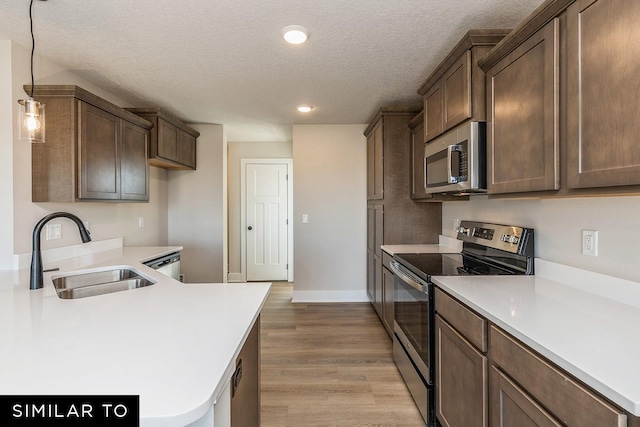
140 222
54 231
305 218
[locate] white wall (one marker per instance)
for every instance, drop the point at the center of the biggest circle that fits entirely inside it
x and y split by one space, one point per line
107 220
6 156
558 225
196 209
330 186
238 151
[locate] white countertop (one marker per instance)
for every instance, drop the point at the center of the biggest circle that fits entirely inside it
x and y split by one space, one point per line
171 343
593 337
445 245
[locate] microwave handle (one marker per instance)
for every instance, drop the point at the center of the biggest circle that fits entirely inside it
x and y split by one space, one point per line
450 178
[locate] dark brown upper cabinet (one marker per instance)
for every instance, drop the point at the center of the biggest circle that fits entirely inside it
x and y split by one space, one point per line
562 103
522 116
172 143
418 189
94 151
455 91
375 162
602 93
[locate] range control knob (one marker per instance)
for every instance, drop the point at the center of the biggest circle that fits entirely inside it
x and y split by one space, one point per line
508 238
464 230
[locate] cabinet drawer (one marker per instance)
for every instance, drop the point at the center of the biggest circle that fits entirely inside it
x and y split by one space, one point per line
568 400
386 260
469 324
512 406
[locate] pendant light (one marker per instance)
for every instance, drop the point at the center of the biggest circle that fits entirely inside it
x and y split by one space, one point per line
31 112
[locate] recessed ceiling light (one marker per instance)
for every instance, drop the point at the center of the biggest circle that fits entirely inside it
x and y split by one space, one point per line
295 34
304 108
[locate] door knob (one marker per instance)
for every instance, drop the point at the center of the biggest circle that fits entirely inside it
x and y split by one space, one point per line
250 228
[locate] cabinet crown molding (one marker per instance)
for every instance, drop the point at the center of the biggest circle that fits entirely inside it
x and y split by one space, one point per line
390 111
535 21
488 37
72 91
166 116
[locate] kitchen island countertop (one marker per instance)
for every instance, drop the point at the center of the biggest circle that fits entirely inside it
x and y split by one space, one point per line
173 344
585 323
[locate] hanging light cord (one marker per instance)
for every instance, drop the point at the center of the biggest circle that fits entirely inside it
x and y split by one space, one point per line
33 44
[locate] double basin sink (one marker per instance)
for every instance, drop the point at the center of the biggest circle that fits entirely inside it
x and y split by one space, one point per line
99 282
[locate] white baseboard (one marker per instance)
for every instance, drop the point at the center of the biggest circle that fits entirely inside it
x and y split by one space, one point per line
329 296
234 277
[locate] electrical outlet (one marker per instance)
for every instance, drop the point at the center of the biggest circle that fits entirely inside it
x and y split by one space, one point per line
456 224
86 225
590 242
140 222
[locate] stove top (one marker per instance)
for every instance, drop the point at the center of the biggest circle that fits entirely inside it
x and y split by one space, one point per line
487 249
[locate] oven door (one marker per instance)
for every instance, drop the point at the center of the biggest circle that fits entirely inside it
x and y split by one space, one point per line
413 320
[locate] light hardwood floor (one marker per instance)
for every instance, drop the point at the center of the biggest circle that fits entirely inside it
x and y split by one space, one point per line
328 365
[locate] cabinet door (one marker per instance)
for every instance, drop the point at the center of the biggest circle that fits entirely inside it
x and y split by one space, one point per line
245 386
99 162
461 380
387 300
378 293
370 164
378 160
375 162
418 190
134 165
168 136
371 238
456 93
603 117
187 149
371 276
433 113
374 253
522 128
512 407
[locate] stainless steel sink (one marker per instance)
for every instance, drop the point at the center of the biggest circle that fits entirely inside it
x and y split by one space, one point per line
99 283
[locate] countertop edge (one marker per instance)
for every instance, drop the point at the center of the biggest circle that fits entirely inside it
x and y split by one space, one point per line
614 396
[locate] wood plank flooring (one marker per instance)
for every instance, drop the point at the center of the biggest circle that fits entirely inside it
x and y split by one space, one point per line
328 365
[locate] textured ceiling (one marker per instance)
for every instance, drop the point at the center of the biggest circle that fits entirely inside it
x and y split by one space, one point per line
223 61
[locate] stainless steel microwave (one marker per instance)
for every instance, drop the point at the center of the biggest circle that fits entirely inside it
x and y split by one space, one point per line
455 163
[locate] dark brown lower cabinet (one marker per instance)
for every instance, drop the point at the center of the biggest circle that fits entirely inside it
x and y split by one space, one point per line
245 382
565 398
512 406
387 292
461 379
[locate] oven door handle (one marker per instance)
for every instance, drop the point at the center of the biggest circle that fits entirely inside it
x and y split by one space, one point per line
395 267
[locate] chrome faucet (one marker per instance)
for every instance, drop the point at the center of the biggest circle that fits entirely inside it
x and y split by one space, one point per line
36 257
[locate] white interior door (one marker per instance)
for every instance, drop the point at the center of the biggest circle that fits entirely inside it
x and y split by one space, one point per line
266 221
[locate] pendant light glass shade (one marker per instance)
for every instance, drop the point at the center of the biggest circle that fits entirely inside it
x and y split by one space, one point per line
30 111
31 120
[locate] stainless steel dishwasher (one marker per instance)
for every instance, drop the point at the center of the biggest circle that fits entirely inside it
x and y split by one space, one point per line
168 265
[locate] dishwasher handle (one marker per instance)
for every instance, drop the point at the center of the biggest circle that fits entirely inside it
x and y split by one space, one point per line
162 261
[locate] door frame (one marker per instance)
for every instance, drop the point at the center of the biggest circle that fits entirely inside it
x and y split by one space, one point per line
243 212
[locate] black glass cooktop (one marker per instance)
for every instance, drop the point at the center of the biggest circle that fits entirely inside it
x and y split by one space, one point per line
438 264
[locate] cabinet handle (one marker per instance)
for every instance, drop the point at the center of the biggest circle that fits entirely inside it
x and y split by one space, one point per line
236 378
250 228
